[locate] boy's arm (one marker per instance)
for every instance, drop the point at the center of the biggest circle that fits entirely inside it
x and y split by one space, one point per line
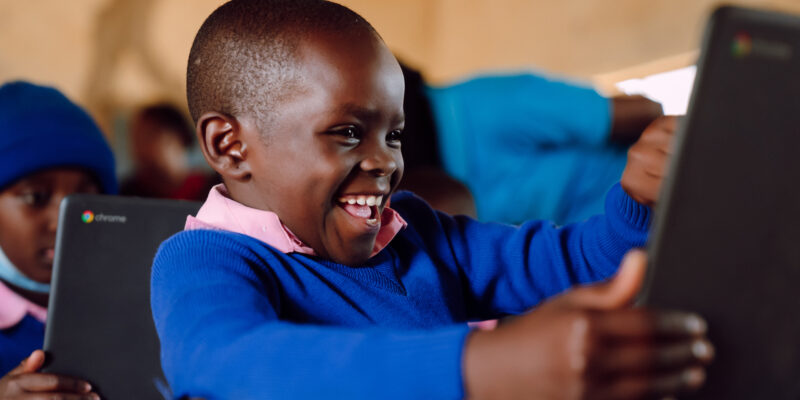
508 269
514 268
221 338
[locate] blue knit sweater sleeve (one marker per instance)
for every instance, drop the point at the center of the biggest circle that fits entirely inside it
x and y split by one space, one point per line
216 313
508 269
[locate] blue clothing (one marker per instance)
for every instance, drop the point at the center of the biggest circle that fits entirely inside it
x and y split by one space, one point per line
19 341
43 129
239 319
528 147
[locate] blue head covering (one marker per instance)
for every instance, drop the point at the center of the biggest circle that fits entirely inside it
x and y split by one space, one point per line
40 129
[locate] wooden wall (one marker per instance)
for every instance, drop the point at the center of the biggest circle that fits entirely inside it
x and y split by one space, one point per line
112 55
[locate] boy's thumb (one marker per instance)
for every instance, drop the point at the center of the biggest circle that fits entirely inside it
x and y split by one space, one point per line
617 292
30 364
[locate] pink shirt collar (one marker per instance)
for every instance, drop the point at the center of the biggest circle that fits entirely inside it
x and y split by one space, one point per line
223 213
14 307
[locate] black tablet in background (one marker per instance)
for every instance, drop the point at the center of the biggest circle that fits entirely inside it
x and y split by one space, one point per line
99 325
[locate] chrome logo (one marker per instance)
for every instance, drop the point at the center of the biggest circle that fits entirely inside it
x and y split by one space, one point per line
742 45
87 216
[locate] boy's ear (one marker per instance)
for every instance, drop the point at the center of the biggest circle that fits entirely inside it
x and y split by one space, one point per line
223 146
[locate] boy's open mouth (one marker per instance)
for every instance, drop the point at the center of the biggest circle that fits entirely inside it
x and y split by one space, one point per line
363 206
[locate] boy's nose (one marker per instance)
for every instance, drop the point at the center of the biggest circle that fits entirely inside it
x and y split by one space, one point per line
380 163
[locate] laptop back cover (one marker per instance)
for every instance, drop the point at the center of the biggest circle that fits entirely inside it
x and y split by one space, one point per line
99 325
726 239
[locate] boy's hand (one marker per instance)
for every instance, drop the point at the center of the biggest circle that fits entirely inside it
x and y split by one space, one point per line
588 344
23 382
647 161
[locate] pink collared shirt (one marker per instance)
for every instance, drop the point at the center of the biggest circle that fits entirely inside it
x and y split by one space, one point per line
14 307
223 213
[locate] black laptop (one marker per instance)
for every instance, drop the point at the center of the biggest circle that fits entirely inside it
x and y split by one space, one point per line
99 325
726 237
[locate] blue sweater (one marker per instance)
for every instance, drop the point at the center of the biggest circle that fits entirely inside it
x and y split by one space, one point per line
18 341
238 319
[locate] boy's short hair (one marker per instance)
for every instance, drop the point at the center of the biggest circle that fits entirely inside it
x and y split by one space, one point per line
41 129
242 58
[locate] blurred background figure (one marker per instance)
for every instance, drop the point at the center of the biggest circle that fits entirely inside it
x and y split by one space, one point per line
523 146
160 140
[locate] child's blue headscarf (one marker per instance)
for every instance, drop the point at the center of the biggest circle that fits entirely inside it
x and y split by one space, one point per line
39 129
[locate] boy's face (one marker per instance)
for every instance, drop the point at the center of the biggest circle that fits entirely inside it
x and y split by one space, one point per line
29 217
334 141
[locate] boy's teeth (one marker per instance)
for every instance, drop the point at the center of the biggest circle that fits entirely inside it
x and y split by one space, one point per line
362 200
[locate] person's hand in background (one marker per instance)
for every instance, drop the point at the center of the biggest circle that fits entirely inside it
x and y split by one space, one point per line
25 383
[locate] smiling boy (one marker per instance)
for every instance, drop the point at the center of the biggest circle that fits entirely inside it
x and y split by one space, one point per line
330 155
297 280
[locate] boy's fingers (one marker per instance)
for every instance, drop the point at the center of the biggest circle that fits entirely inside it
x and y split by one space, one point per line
667 122
640 357
52 383
645 188
646 386
615 293
653 153
34 361
28 365
660 137
638 323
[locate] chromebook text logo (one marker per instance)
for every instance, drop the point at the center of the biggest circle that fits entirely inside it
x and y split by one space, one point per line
89 217
744 45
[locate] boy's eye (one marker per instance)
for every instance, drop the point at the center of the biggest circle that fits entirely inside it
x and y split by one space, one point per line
394 137
350 134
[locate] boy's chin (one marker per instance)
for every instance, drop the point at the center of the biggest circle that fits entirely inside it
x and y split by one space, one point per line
353 257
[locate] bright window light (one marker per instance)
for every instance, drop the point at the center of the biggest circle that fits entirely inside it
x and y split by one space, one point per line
671 88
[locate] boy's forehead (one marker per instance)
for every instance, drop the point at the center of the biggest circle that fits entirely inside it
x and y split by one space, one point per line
351 39
356 51
341 70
